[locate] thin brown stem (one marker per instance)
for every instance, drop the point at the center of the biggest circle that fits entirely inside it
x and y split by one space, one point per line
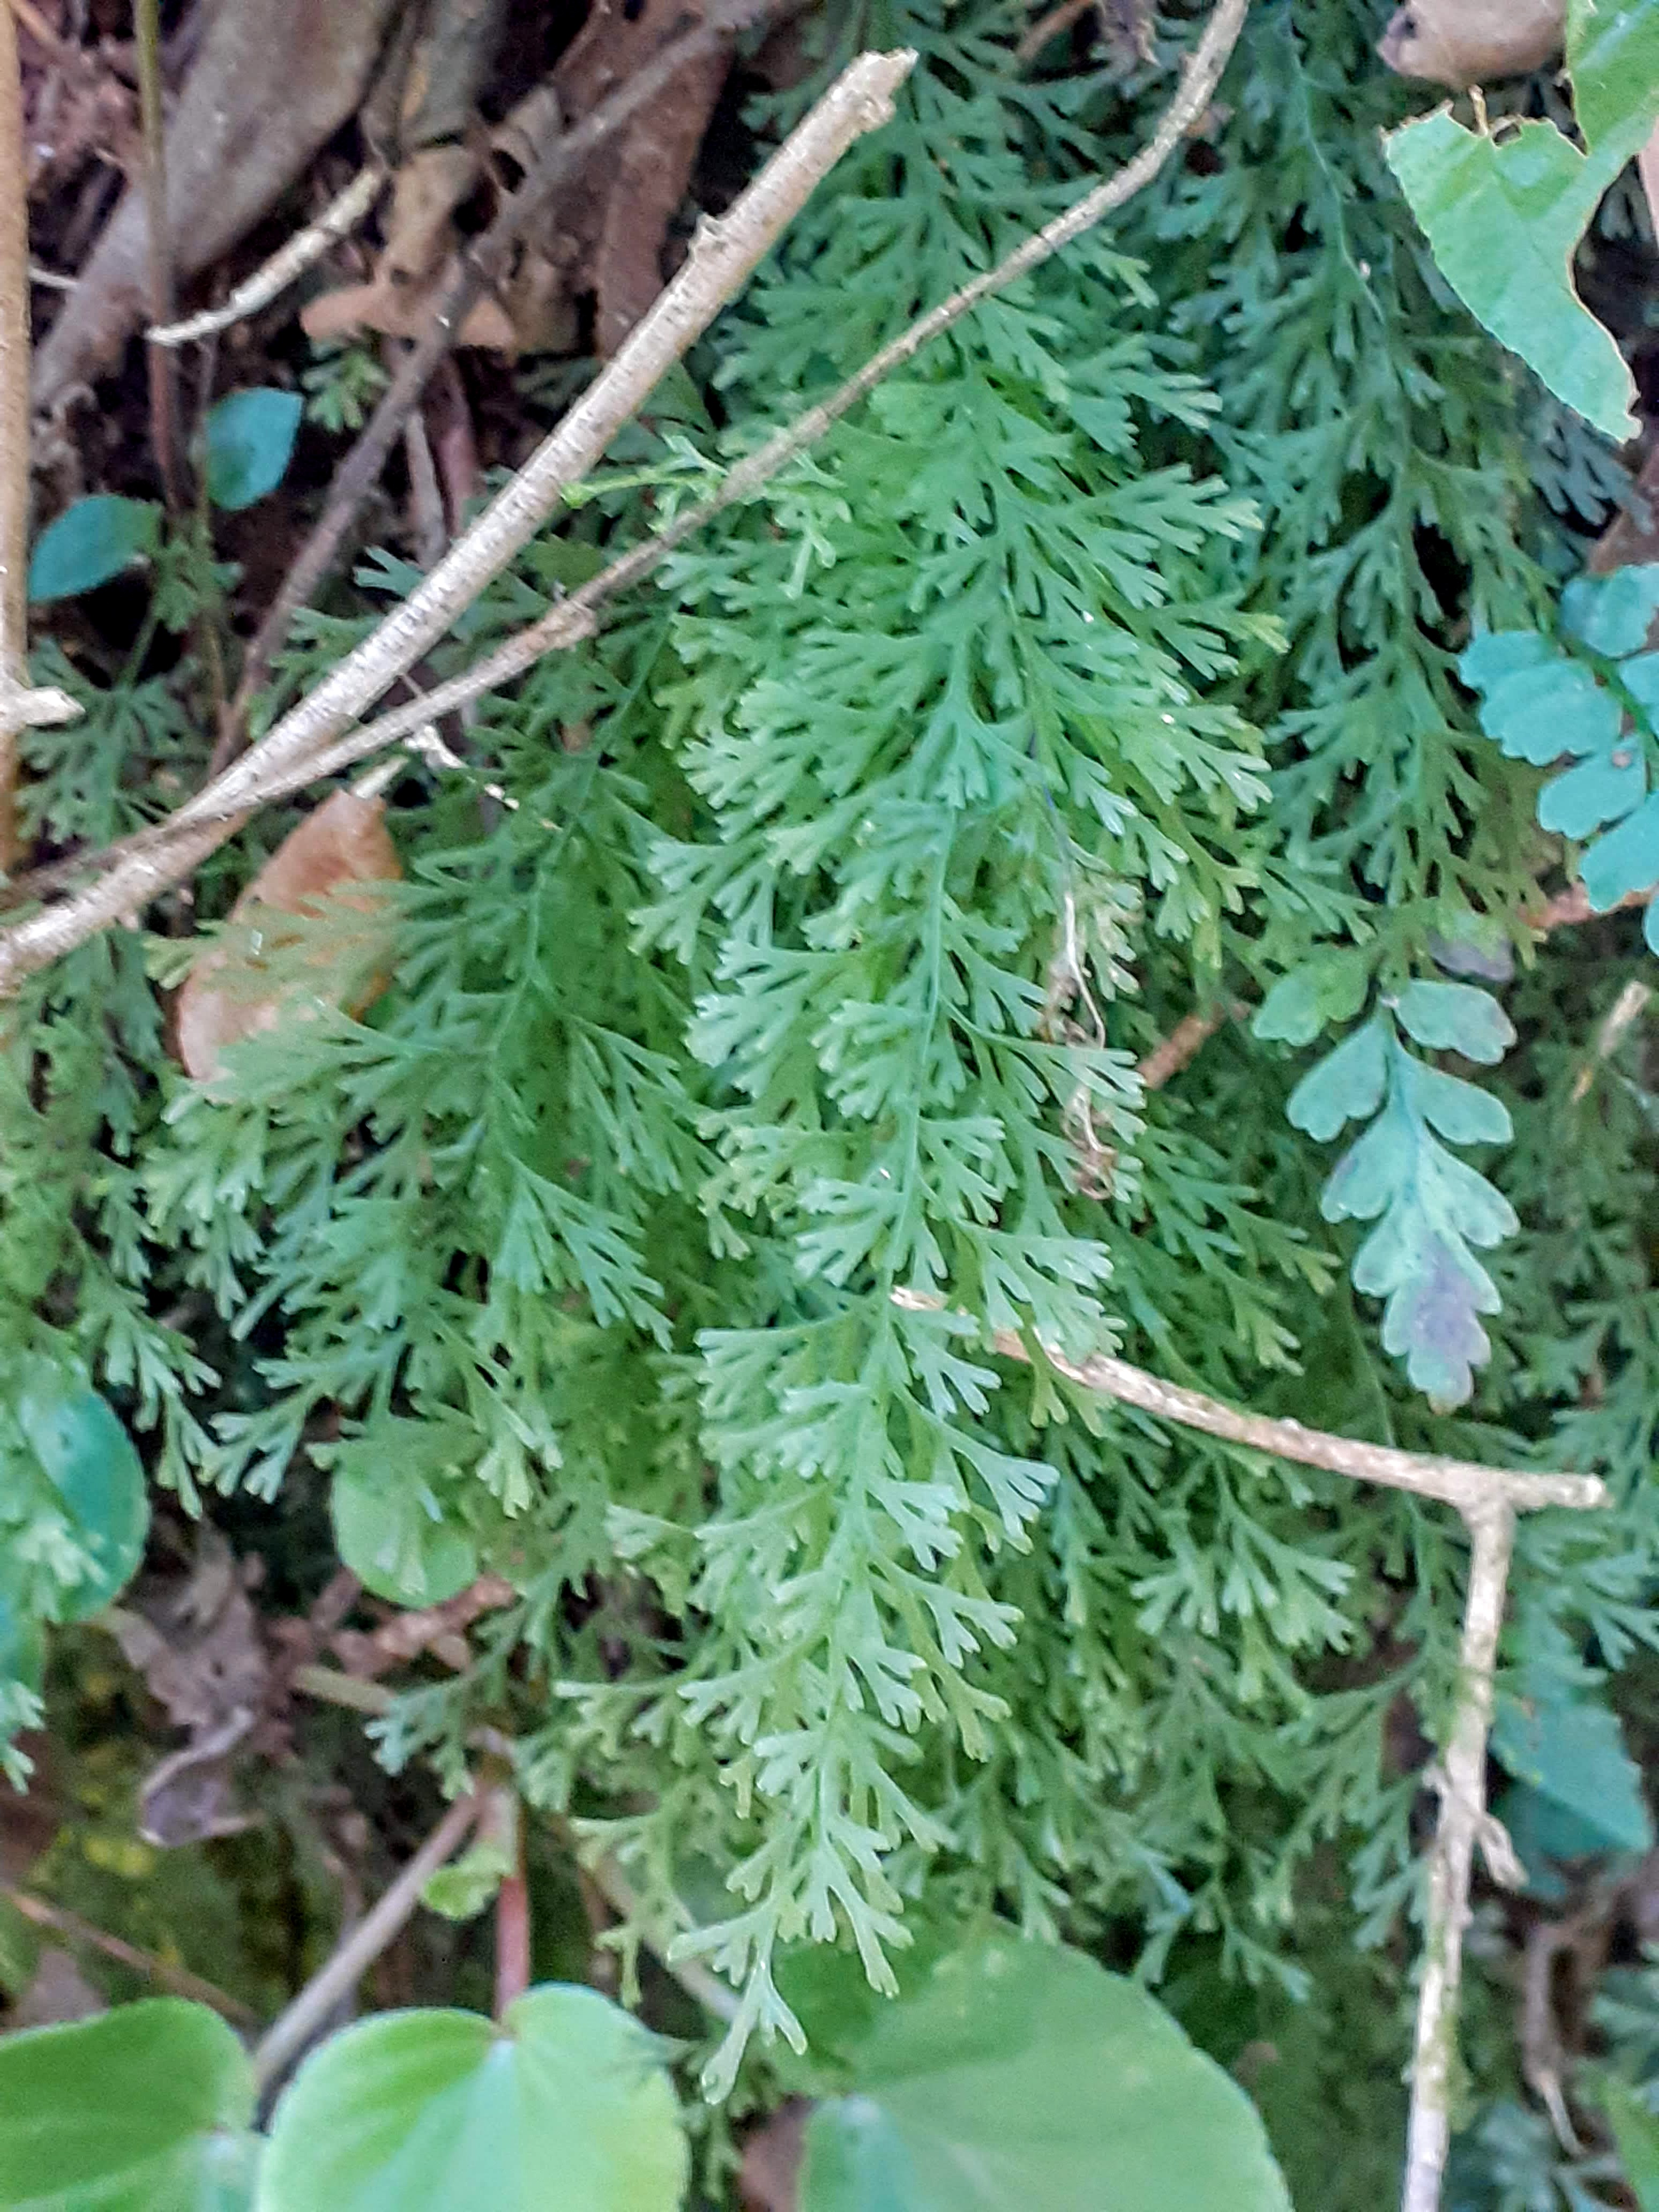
723 255
478 269
21 707
60 1921
161 366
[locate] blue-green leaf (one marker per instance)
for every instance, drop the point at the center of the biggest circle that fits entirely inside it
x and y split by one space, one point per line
1626 859
1640 677
98 1477
1496 654
144 2109
1541 713
1016 2075
1566 1741
1455 1018
1345 1086
1613 614
1375 1170
250 440
1602 789
90 542
1328 986
1461 1112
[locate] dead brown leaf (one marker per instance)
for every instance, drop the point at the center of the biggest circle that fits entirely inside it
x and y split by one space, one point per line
334 950
1464 42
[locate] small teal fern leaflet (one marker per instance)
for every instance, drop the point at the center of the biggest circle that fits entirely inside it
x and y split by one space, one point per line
1587 695
1432 1210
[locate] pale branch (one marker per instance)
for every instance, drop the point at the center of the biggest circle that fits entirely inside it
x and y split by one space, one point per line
1185 1042
160 367
171 850
723 255
21 706
1487 1498
1466 1484
1464 1822
572 619
482 265
296 2026
285 267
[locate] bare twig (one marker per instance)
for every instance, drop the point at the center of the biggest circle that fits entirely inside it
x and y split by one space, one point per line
1464 1822
1488 1499
286 266
160 365
485 263
1050 26
574 618
1185 1042
21 707
722 256
294 2027
180 1979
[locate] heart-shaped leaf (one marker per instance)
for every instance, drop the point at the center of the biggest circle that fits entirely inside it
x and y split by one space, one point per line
1018 2075
144 2109
564 2108
90 542
89 1458
249 441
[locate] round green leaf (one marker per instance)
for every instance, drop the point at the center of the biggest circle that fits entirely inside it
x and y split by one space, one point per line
1019 2076
90 542
393 1538
89 1458
144 2109
250 439
564 2109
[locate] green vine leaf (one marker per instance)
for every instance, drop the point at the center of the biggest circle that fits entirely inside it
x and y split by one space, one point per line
564 2107
89 543
1503 218
1016 2074
1636 2132
1455 1018
393 1536
144 2109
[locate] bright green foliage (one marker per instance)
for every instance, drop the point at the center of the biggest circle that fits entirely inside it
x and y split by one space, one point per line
1590 695
1105 663
1011 2074
1504 214
564 2107
1636 2131
249 439
144 2109
94 539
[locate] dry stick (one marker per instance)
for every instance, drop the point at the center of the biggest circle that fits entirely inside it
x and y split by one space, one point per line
180 1979
1464 1822
21 707
1488 1499
575 618
294 2026
161 368
723 255
479 267
152 858
285 267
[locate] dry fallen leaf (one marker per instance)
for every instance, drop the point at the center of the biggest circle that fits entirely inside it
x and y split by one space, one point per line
334 951
1464 42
